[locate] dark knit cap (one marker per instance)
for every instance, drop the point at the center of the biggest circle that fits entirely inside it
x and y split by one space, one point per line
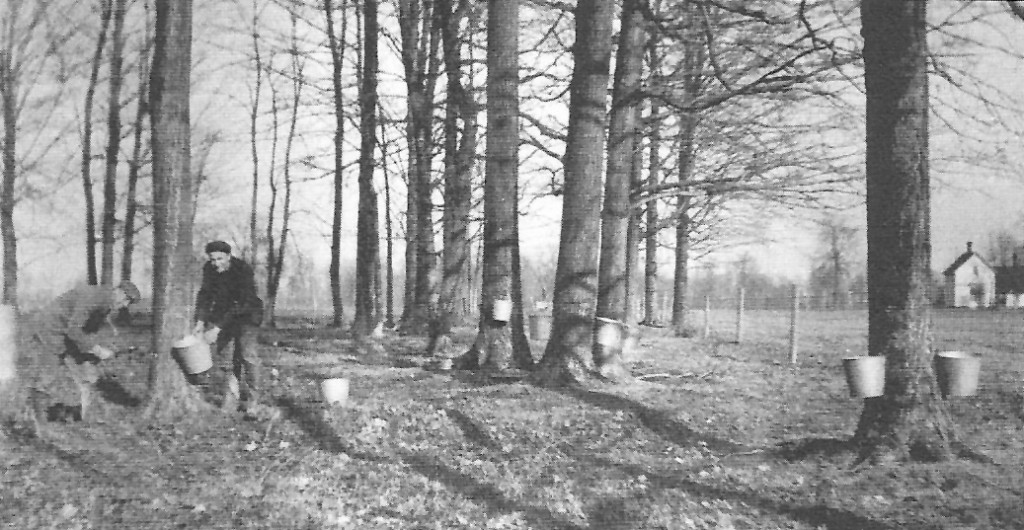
218 246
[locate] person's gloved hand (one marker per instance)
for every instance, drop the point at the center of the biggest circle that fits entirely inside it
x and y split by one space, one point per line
210 335
101 352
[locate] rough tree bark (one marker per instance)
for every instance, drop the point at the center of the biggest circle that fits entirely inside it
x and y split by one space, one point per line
173 204
910 420
495 344
568 356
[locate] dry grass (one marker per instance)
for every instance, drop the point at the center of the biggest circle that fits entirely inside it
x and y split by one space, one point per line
697 445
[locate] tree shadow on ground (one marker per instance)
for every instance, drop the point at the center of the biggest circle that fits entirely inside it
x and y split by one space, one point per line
309 418
490 496
817 515
471 430
113 391
660 422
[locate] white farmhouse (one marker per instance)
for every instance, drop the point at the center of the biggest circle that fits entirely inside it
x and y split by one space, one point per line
970 281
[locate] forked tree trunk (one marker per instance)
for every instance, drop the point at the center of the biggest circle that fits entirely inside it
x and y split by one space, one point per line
367 312
616 213
568 355
173 204
910 420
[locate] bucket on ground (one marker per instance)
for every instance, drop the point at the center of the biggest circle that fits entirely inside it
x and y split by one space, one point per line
957 373
865 375
540 326
501 311
334 390
193 354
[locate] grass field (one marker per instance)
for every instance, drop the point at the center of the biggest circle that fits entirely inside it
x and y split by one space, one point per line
699 440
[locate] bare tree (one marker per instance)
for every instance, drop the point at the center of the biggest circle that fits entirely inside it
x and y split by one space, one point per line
106 9
278 243
910 420
420 31
459 160
336 43
135 162
108 223
367 310
568 356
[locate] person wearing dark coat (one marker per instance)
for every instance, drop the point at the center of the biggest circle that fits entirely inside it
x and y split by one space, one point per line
228 310
76 327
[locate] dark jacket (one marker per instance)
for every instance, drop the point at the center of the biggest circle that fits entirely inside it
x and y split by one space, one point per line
229 298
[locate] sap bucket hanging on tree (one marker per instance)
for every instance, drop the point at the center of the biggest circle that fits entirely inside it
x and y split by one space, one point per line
957 373
865 375
193 355
501 310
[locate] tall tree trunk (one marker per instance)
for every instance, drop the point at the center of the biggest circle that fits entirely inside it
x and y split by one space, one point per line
568 355
633 236
681 269
910 420
109 221
367 311
495 341
275 261
420 42
135 164
173 204
681 277
254 113
651 219
458 163
615 215
337 47
389 321
8 100
90 94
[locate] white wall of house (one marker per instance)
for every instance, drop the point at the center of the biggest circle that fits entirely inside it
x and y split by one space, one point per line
973 272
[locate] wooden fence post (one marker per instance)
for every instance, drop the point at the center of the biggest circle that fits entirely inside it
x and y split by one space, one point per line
739 318
793 325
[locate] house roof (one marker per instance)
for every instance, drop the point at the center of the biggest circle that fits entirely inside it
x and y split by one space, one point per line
1010 279
961 260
